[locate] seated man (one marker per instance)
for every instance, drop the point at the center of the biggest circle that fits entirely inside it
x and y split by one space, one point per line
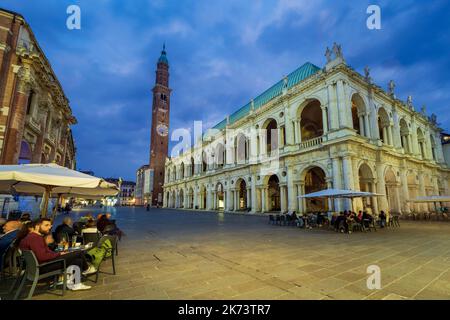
10 229
35 242
64 229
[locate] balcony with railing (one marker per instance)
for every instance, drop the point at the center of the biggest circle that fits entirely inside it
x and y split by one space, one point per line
311 143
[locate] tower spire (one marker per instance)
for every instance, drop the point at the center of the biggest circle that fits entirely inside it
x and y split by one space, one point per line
163 57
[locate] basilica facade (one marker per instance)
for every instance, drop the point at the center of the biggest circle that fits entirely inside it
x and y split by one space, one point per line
315 129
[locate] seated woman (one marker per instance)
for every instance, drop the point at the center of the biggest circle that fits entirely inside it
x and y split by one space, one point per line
107 226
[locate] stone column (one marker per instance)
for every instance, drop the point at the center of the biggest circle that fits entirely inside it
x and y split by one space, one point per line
332 107
195 198
423 193
291 190
361 125
254 196
324 120
258 200
349 183
263 200
374 199
249 198
381 188
298 133
330 201
290 132
229 200
303 192
214 200
337 181
283 198
262 143
415 144
391 136
165 204
209 199
342 106
410 144
367 125
236 200
186 200
299 200
397 198
405 191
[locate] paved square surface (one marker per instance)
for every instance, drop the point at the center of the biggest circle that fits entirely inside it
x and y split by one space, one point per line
170 254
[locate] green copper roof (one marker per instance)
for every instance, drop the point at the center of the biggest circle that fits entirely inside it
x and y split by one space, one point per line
302 73
163 57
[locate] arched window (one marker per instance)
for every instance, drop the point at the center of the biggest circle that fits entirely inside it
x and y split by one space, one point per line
311 121
182 170
405 136
204 162
384 126
271 128
421 142
25 153
220 156
359 117
192 166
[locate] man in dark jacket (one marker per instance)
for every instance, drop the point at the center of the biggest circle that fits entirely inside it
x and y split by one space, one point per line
64 229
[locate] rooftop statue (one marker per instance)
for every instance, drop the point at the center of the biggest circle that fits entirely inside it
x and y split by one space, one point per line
409 102
328 54
337 49
367 74
391 87
423 110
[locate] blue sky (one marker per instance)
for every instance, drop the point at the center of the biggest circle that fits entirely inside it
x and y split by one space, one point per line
222 53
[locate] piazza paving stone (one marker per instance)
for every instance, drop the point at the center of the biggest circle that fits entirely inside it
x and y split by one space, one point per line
181 254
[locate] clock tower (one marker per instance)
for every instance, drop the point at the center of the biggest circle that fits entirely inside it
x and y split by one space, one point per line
159 145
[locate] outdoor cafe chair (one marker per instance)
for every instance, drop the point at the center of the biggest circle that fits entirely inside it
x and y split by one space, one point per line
33 272
369 225
93 237
109 253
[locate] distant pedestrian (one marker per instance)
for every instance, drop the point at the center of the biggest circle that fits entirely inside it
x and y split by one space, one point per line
148 207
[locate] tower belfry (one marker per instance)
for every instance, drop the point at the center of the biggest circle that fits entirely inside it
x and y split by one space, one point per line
159 145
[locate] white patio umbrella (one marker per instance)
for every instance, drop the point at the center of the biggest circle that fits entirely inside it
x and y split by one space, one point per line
37 179
339 194
432 199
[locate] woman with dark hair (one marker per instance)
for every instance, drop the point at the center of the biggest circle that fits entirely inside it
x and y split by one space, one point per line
24 231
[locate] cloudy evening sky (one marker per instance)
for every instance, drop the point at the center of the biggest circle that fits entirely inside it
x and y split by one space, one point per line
221 54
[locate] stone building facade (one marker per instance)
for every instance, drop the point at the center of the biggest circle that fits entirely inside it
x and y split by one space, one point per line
35 116
315 129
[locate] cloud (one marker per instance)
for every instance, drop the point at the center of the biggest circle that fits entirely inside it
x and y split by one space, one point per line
222 53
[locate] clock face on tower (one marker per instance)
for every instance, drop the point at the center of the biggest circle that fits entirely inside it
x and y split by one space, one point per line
162 130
